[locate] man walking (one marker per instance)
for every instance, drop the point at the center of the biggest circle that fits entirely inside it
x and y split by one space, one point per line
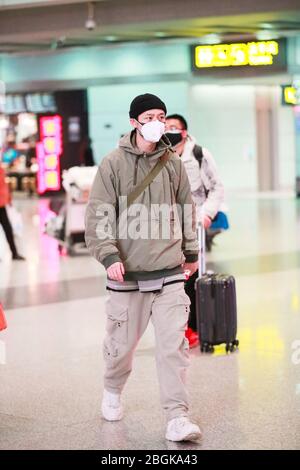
145 263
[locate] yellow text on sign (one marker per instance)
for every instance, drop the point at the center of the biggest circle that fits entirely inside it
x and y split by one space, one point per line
290 95
228 55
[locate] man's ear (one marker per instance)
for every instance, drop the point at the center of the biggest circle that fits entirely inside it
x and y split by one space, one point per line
133 123
184 134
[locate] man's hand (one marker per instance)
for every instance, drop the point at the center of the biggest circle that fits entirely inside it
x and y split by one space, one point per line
206 221
191 267
116 272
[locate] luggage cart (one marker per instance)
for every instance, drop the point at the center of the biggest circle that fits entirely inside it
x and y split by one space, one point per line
74 227
68 226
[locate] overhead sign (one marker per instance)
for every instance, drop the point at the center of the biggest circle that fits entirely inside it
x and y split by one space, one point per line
30 102
250 54
290 95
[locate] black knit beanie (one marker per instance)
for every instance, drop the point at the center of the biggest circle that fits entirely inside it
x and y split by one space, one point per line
143 103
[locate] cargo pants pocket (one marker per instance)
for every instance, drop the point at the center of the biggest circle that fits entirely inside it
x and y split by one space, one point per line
117 330
184 300
117 322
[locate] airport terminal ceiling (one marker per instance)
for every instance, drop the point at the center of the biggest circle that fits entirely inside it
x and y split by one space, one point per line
37 26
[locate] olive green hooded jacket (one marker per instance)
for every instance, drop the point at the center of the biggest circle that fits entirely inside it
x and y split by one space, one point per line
158 232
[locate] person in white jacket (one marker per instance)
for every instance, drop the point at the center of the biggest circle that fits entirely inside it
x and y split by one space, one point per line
207 192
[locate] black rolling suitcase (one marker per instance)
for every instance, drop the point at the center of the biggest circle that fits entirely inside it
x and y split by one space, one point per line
215 306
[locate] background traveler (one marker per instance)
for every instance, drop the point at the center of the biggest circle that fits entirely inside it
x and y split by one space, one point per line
207 192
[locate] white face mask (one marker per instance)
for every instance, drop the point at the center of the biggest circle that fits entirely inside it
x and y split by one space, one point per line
152 131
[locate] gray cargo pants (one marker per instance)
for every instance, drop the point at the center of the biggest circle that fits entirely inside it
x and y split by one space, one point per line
128 314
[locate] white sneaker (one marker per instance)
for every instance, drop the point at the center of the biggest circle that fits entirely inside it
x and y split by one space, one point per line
181 429
111 408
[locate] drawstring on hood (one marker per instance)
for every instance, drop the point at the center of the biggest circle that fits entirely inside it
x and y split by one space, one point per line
128 144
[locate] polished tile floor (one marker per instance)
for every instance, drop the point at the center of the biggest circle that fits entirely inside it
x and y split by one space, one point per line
51 362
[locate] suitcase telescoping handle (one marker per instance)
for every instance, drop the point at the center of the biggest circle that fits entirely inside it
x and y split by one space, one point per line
201 257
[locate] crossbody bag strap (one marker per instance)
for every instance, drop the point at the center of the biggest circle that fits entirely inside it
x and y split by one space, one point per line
149 178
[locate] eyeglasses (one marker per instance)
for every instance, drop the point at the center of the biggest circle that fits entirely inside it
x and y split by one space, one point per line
173 128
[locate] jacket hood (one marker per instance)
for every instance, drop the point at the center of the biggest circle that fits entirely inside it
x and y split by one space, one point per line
128 144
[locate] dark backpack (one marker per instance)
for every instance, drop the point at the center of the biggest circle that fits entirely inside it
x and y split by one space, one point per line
198 154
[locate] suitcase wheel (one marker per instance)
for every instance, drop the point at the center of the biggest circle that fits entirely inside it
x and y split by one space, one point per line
232 346
208 348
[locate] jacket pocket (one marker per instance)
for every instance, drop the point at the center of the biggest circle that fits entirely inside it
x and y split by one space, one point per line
117 322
